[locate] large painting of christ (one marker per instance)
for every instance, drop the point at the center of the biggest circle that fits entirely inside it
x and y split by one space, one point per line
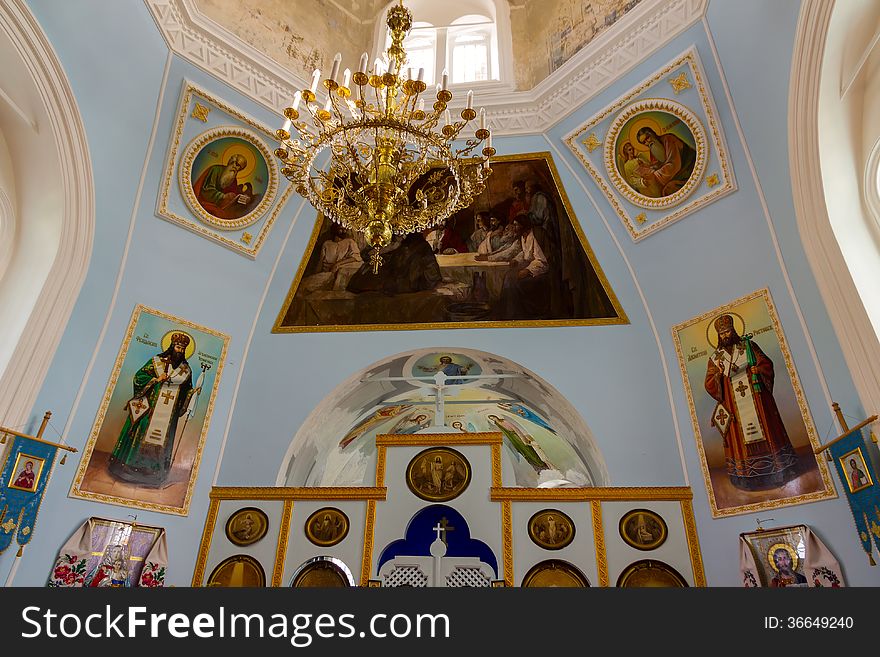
516 257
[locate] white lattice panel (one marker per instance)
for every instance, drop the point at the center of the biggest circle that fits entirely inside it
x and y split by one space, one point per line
467 577
406 576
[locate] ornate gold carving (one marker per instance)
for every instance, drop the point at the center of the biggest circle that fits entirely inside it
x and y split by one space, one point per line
507 541
105 404
496 465
607 493
829 491
637 232
592 142
380 465
369 530
680 82
25 531
690 529
641 217
476 438
713 180
8 526
599 540
246 238
621 318
205 546
297 493
200 112
281 547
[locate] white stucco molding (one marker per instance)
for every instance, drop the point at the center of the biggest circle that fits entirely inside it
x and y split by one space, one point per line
641 32
855 332
23 377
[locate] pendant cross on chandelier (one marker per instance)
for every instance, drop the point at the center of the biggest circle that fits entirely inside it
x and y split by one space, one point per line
393 168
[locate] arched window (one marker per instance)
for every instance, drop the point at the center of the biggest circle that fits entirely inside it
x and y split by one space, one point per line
469 39
470 48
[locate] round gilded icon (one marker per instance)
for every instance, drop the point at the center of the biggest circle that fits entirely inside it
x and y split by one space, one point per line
228 177
239 570
554 573
656 153
650 573
322 572
438 474
326 527
551 529
247 526
643 529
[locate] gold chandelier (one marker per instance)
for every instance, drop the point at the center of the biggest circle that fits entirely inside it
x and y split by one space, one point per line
393 167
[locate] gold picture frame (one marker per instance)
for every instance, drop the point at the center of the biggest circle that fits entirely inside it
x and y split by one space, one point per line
327 527
646 114
852 464
287 322
208 140
238 571
247 526
438 474
26 478
551 529
149 332
650 573
643 529
806 478
555 573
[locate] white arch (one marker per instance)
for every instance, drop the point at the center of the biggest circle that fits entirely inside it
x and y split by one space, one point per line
315 456
26 367
851 322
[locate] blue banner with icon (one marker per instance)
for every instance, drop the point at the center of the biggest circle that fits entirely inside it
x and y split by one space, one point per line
22 483
860 485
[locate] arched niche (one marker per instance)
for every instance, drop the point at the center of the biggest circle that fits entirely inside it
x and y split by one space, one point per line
547 443
51 202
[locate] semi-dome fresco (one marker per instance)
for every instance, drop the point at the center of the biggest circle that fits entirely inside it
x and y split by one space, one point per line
546 442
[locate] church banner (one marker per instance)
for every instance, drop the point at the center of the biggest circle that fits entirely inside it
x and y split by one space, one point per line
859 481
753 429
145 447
22 484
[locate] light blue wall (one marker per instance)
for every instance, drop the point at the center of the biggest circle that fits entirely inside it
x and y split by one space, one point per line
620 378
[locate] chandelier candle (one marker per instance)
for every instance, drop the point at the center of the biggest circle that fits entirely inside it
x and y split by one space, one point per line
393 168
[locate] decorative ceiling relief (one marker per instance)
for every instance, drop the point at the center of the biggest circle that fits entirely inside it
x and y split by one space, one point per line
658 152
221 179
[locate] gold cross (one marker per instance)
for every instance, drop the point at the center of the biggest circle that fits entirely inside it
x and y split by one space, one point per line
168 396
741 389
722 416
